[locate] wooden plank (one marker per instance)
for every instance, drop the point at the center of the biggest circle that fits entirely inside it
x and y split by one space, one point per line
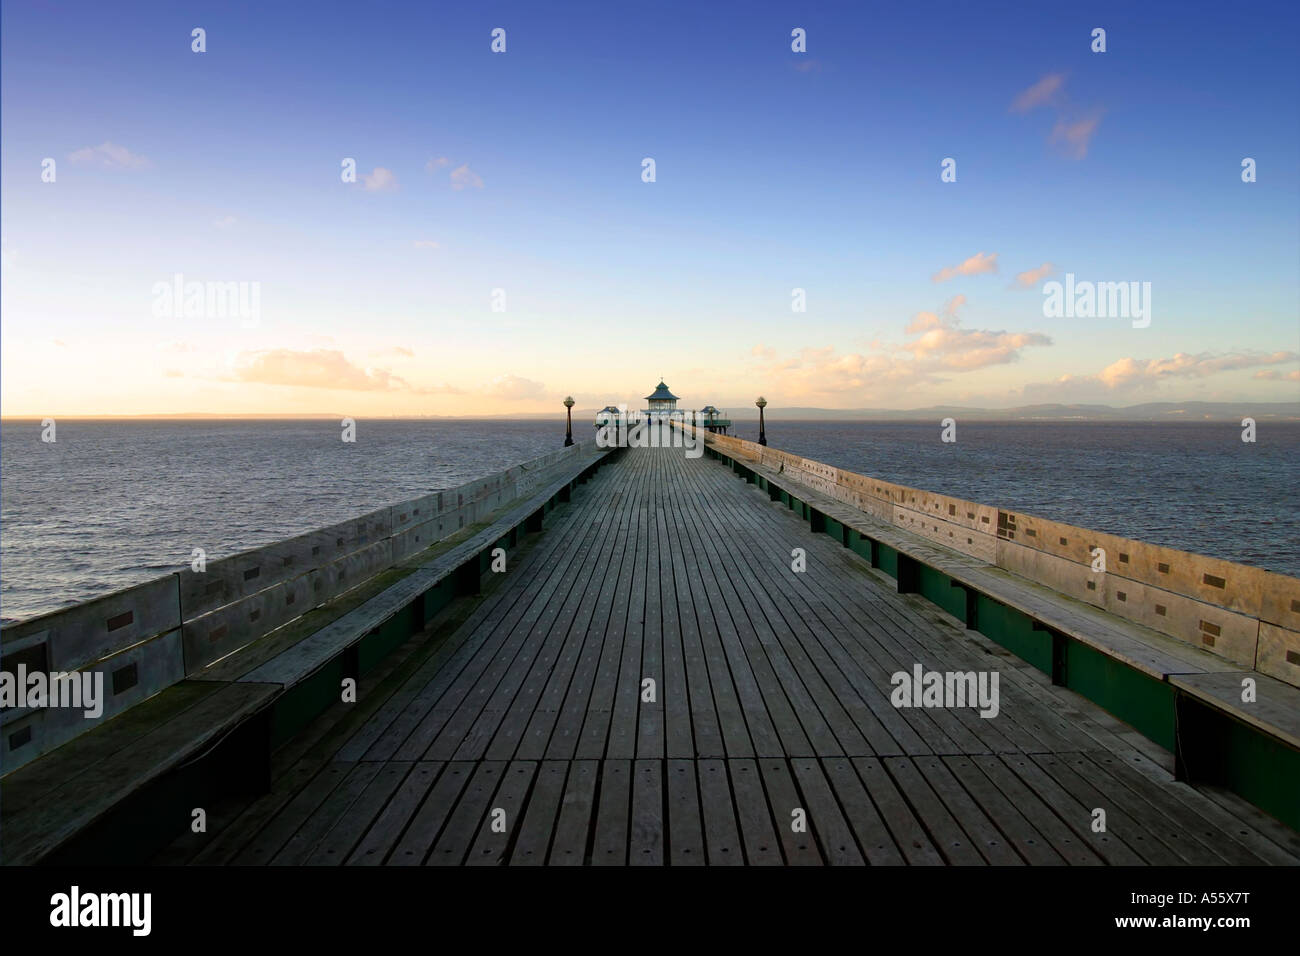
297 850
584 718
467 697
1237 810
1275 710
1018 833
569 848
922 632
416 843
411 733
1041 825
626 703
281 828
1126 821
746 726
354 820
600 711
541 817
774 726
825 821
685 830
387 829
610 841
24 788
579 645
394 726
646 830
522 684
1071 810
650 714
1221 845
33 830
702 736
675 692
717 723
1238 820
677 571
469 815
1140 647
950 839
860 676
983 833
861 814
800 847
762 845
224 843
535 684
312 652
780 660
721 834
492 846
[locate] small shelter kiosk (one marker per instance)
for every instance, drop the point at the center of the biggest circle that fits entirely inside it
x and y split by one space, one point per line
662 402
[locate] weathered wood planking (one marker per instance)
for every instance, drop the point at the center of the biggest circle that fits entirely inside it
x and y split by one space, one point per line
772 700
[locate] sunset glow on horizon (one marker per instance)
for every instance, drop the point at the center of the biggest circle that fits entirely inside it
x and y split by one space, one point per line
500 249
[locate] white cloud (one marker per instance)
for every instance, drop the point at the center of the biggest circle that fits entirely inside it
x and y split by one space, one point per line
1031 277
940 347
436 163
1134 376
225 222
1273 375
1074 136
975 265
320 368
462 177
1039 94
1073 130
1127 373
381 180
110 156
942 343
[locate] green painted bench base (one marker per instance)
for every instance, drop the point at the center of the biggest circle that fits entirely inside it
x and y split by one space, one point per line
1210 746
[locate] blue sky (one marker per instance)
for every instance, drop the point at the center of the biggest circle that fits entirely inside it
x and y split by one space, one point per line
521 171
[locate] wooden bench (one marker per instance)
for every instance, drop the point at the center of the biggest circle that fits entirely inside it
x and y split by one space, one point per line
117 793
1194 680
460 568
54 801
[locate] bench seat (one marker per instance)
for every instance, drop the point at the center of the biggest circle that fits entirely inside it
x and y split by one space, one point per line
90 783
1209 679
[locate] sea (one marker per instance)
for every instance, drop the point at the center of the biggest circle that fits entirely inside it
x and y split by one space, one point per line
110 504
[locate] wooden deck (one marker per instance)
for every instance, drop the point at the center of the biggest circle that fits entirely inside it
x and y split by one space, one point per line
771 695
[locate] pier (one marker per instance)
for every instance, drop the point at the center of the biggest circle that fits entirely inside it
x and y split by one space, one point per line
679 661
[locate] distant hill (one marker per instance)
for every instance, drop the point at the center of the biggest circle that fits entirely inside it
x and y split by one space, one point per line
1150 412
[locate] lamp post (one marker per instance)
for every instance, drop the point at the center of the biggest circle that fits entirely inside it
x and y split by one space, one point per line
568 428
762 433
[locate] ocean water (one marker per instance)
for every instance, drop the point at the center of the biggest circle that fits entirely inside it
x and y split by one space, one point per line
111 504
1195 486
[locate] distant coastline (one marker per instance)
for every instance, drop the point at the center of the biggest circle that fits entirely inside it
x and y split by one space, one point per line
1165 412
